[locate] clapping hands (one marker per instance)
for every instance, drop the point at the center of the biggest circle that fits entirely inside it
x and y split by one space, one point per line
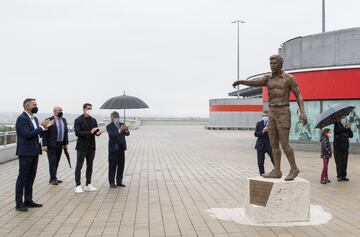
123 127
95 131
47 123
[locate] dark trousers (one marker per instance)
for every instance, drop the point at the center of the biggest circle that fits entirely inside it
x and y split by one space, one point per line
261 159
54 155
25 180
116 165
81 156
341 160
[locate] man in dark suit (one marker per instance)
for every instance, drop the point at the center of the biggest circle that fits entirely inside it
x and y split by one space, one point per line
55 139
117 147
28 148
85 129
262 143
342 133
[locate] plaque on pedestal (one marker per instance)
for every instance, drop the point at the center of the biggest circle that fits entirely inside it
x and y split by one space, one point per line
276 200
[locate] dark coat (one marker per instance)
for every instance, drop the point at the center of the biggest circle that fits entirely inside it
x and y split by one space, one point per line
83 126
325 147
50 135
262 141
341 136
117 139
27 137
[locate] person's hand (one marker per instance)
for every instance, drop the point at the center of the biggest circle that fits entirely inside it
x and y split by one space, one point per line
92 131
265 129
236 83
123 127
98 133
45 148
47 123
303 118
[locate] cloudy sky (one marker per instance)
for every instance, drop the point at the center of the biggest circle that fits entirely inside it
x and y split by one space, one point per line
175 55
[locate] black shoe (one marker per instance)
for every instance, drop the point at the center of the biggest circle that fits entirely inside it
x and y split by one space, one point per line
339 179
21 208
121 185
113 186
59 181
345 179
32 204
54 182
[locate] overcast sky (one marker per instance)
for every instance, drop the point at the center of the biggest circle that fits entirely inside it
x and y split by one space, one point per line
175 55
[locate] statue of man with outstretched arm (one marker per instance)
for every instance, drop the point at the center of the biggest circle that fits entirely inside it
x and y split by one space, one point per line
279 85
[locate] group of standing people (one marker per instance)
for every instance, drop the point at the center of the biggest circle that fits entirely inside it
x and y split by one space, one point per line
342 133
51 136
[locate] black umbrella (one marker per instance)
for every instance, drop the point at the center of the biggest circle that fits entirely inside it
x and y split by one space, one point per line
124 102
333 114
67 156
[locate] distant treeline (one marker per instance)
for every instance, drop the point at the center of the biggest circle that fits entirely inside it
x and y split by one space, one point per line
6 128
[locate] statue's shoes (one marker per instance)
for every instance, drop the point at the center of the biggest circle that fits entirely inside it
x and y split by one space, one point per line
292 175
273 174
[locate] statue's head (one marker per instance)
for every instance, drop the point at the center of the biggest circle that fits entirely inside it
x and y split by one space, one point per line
276 63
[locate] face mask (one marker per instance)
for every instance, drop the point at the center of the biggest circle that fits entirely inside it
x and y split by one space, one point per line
88 112
34 110
116 120
60 114
265 119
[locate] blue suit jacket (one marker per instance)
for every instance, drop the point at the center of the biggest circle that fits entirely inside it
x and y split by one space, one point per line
262 142
27 143
116 139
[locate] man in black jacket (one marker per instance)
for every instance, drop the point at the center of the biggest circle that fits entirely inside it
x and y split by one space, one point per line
117 147
85 129
342 133
55 139
262 143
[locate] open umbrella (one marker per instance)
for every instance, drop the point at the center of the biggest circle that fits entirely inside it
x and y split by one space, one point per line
124 102
332 114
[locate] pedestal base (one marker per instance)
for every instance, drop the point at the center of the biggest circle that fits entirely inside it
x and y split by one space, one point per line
276 200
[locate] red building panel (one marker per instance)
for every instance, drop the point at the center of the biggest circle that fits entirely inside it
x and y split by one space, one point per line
236 108
326 84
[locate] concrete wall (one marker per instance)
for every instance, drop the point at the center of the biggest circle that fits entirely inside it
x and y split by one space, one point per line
234 119
149 122
335 48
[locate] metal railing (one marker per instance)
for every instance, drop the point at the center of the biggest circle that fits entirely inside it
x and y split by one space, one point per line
7 138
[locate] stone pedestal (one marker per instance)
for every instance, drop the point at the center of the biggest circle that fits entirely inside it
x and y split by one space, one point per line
276 200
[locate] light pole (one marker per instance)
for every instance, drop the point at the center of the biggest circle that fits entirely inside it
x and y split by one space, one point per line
323 16
238 22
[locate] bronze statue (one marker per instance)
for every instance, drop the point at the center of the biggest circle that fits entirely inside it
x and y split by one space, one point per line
279 85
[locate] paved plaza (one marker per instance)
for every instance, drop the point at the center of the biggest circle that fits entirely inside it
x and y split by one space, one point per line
174 175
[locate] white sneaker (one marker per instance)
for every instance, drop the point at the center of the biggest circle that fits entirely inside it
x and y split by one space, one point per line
78 189
90 188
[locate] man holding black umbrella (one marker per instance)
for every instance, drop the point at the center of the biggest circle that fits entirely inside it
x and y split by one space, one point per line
54 141
117 147
342 133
